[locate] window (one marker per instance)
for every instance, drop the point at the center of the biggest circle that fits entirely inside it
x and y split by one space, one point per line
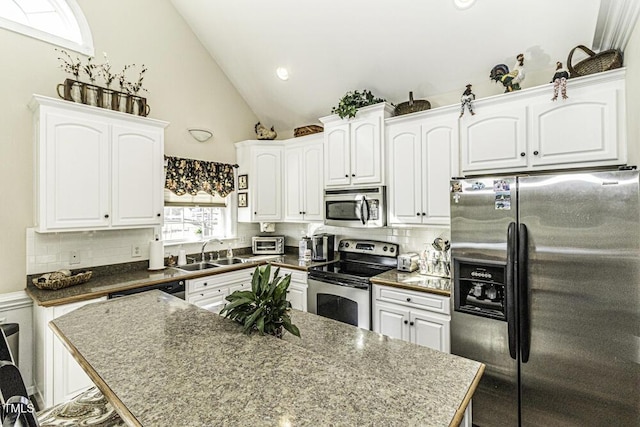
195 218
59 22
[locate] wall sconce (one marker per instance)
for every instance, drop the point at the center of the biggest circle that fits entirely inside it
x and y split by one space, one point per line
200 135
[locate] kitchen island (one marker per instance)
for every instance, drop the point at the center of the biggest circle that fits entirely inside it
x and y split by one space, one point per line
162 361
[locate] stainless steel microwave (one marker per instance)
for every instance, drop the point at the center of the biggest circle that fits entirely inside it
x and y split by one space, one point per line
362 207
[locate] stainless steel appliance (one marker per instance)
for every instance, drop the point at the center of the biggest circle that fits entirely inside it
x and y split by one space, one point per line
323 247
547 294
408 262
341 290
356 207
175 288
267 245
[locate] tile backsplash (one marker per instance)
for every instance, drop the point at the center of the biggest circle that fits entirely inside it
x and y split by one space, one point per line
53 251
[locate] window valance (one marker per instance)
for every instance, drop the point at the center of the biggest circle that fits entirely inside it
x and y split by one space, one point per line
188 176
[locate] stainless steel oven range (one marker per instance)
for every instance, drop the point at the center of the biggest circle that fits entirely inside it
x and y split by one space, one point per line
341 290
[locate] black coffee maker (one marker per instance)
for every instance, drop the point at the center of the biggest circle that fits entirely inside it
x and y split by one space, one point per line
323 247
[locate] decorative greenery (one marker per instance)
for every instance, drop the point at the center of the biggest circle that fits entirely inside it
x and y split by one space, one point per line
105 71
122 78
69 65
265 307
137 86
89 70
351 101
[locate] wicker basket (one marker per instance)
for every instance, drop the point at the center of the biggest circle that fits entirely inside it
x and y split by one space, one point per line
61 283
412 106
596 63
307 130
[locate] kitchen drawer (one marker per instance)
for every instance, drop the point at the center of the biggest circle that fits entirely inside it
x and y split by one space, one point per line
211 299
296 275
208 282
425 301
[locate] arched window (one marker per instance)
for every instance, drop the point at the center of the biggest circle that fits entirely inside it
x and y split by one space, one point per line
59 22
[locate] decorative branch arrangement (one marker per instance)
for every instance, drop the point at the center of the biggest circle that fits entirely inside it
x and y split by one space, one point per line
127 100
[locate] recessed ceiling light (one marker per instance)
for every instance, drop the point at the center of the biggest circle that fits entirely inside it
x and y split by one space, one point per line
282 73
463 4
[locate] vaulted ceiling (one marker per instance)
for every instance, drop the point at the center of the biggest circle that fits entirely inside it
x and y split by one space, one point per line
389 47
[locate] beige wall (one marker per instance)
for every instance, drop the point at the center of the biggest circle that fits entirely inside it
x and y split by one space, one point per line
632 62
186 88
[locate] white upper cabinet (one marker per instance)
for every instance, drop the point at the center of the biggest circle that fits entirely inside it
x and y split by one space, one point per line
526 131
353 148
303 179
262 162
423 156
95 168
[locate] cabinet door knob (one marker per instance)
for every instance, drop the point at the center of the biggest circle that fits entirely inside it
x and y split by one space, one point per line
106 215
408 299
417 213
255 213
346 176
424 214
406 321
353 174
410 323
300 212
535 153
159 215
205 284
522 154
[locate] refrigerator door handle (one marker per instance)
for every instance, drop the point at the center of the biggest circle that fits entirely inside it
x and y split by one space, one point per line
510 298
523 294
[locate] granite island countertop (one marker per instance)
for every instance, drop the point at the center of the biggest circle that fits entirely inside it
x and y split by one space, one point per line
414 281
164 362
105 284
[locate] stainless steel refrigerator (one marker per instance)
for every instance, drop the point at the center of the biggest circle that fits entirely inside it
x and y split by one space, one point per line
546 293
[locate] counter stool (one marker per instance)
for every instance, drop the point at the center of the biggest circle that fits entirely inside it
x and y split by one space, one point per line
89 408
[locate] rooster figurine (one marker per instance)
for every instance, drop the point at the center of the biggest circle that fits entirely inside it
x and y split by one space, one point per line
263 133
510 79
559 81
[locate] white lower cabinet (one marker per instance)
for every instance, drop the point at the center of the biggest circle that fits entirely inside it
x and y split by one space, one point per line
417 317
297 288
58 376
209 292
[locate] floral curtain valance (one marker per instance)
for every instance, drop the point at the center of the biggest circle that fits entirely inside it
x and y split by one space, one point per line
188 176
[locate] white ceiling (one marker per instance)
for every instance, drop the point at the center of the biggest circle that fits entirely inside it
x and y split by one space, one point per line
390 47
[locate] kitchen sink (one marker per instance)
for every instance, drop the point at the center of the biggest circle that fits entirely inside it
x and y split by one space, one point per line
198 266
228 261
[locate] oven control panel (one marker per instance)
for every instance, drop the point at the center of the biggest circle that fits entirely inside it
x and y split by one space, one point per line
372 247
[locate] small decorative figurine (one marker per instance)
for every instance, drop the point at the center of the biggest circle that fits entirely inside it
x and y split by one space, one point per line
510 79
467 99
263 133
559 81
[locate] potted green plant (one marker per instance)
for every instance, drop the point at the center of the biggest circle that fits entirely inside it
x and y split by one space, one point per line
265 307
351 101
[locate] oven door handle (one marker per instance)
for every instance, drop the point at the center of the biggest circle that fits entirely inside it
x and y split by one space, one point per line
336 282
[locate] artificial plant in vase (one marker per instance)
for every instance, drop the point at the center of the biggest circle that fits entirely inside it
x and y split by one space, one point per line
265 307
351 101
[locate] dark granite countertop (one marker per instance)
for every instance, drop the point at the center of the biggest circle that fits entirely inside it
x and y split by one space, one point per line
129 278
164 362
414 281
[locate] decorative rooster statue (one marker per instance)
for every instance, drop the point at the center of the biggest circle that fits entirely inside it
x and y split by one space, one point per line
263 133
510 79
559 81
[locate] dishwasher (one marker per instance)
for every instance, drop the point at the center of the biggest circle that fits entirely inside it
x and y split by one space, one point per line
175 288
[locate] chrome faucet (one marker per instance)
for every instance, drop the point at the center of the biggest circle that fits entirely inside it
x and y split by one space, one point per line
205 244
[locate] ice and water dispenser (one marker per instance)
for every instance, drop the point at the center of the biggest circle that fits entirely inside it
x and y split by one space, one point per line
479 288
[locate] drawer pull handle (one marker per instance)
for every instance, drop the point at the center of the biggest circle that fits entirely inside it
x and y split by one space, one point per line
408 299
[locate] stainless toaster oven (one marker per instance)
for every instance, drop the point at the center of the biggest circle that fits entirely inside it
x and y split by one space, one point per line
267 245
